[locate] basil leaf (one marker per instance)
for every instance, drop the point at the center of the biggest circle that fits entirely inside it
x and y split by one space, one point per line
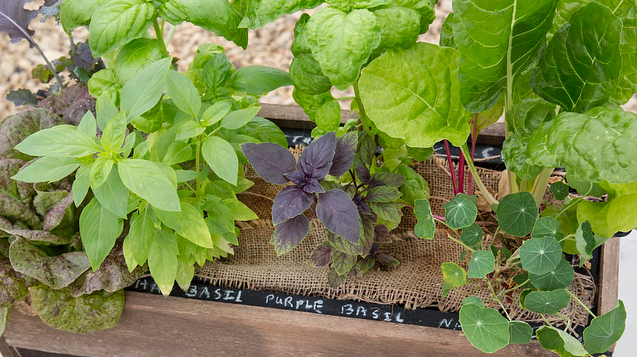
215 113
581 66
162 260
114 134
238 118
339 214
342 42
81 184
145 89
399 27
141 235
218 16
60 141
113 195
289 234
259 79
221 157
116 22
76 13
47 169
261 12
151 182
421 117
99 229
322 109
183 93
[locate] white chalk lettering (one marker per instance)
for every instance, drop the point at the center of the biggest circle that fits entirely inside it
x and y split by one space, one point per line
155 287
361 311
375 314
288 301
399 319
217 294
192 291
269 298
228 295
446 323
387 316
238 299
318 306
204 292
347 309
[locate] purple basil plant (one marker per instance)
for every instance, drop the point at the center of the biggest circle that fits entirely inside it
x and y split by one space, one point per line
334 208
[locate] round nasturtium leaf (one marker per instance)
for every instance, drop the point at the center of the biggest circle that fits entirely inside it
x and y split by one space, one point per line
523 296
559 341
517 213
558 278
460 212
520 332
547 302
482 263
540 255
485 328
413 94
453 274
605 330
559 190
472 235
546 227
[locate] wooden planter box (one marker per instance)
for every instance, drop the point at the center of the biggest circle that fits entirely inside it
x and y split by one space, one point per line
153 325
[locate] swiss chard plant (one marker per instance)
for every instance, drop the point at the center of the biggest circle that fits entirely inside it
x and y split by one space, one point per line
337 181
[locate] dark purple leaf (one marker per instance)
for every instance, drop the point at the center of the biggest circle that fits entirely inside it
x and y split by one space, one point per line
361 204
271 161
22 97
313 186
297 177
344 154
316 159
339 214
290 202
321 256
14 19
362 173
50 8
381 234
290 233
387 260
71 103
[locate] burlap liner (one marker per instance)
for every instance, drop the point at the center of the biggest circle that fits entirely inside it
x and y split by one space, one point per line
416 282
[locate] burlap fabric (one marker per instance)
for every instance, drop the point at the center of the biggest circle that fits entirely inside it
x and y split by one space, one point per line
415 283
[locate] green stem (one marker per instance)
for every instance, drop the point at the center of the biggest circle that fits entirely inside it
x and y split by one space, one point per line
487 195
545 320
581 303
346 98
461 243
539 186
197 154
159 32
361 108
169 37
499 302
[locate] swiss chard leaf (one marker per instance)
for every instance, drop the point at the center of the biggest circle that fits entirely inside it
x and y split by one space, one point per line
581 66
497 41
429 108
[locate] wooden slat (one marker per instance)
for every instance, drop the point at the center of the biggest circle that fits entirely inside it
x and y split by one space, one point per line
608 276
157 326
292 116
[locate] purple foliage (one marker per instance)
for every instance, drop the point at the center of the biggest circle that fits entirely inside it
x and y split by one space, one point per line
290 202
344 155
321 256
339 214
316 159
271 161
290 233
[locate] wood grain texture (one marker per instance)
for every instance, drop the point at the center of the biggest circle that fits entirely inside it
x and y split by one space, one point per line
609 276
158 326
292 116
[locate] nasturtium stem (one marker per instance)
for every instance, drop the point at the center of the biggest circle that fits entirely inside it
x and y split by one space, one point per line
581 303
499 302
487 195
461 243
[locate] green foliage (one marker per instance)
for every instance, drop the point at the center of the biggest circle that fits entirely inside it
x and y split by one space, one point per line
605 330
453 276
540 255
547 302
426 227
485 328
460 212
517 213
482 263
520 332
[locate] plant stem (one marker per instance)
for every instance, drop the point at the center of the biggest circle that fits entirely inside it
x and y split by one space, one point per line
539 186
34 44
345 98
581 303
159 32
474 138
487 195
169 37
361 108
461 243
498 300
461 173
197 154
451 168
440 218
